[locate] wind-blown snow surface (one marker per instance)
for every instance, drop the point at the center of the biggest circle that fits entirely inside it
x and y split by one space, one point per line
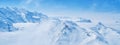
57 31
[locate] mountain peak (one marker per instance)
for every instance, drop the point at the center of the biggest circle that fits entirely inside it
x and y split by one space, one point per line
15 15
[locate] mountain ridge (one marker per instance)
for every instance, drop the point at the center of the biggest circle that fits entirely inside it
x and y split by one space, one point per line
61 31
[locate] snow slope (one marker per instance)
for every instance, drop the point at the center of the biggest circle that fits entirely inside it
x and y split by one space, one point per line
55 30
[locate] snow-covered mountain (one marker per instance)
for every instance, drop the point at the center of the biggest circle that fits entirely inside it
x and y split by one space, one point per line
22 27
8 16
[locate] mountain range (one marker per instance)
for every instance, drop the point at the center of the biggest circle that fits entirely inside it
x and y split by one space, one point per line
23 27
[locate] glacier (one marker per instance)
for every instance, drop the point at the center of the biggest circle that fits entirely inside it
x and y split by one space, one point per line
22 27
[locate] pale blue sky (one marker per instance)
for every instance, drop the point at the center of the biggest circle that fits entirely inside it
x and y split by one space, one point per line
65 7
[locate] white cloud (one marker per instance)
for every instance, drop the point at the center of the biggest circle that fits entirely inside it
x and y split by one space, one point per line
94 5
28 1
